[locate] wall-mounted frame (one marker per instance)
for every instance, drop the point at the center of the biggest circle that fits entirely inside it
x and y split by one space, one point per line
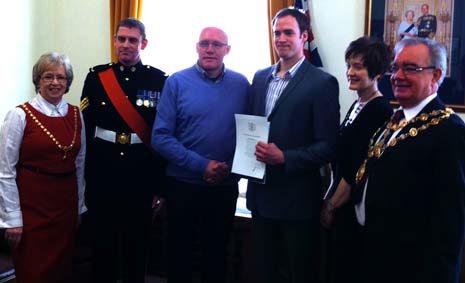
444 22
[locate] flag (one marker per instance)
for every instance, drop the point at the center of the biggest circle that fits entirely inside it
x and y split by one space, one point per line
310 49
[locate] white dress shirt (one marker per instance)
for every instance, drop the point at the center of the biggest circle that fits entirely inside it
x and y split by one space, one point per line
11 135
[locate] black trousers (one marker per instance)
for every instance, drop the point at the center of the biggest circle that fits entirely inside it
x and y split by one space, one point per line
286 250
120 223
206 212
345 247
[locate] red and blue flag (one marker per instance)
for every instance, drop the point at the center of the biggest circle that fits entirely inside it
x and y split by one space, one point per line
310 48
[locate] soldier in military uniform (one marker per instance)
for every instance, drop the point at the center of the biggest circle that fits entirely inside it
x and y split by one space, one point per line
426 23
124 175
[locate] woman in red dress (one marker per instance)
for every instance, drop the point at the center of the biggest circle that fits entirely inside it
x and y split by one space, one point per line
42 146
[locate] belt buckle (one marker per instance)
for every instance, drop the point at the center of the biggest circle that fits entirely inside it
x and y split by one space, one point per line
123 138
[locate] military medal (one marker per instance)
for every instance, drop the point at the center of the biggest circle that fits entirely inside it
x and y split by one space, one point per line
154 97
141 97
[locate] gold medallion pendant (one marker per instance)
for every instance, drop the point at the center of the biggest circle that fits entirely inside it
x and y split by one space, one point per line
65 150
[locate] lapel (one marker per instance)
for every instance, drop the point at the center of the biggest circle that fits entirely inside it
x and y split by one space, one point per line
343 124
263 87
295 81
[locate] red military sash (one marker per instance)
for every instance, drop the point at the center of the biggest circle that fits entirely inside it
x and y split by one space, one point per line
124 107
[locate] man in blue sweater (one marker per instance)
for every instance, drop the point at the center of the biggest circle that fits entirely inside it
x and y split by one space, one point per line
195 132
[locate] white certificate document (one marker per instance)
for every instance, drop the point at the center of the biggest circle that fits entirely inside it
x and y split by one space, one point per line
249 131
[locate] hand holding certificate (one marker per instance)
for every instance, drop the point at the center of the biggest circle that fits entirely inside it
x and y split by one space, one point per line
249 131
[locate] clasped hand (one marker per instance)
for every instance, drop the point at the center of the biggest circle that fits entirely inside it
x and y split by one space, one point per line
216 172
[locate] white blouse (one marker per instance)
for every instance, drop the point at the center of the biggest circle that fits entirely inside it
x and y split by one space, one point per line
11 135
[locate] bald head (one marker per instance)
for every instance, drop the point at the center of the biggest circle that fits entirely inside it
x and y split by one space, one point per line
215 32
212 47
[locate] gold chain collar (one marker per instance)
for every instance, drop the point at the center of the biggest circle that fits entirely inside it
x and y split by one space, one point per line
376 150
65 149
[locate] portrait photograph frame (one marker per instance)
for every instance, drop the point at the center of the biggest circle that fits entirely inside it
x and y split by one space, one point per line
441 20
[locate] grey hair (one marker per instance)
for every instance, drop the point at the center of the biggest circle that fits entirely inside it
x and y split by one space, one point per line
49 61
409 11
437 52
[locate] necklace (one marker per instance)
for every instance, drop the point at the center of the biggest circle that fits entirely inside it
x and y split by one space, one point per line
375 150
61 147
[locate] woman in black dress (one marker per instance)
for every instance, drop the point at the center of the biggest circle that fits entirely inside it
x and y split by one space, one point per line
367 60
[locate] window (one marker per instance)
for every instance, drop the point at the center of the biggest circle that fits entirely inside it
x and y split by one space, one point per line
173 29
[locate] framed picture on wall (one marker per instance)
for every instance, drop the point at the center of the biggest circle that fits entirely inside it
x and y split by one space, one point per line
441 20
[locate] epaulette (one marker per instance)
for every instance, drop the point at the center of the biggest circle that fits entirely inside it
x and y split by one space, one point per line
100 68
155 70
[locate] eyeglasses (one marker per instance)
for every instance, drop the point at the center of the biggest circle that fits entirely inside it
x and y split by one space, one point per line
409 68
215 44
48 78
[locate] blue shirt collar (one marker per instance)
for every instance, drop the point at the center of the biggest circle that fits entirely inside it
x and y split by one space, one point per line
205 75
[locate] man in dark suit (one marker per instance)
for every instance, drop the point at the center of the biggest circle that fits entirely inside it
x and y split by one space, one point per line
301 103
412 185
